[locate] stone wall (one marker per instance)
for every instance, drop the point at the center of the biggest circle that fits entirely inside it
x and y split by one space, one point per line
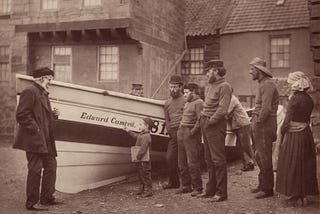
160 23
68 10
155 34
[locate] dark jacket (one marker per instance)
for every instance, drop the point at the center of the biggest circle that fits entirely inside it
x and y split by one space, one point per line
173 110
34 117
192 113
217 100
267 100
299 109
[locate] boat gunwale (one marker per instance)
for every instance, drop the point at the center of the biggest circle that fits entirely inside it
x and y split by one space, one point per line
97 90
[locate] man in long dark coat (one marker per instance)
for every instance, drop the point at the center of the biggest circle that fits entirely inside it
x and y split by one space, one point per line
35 136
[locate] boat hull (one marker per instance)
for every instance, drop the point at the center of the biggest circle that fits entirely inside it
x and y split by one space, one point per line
93 149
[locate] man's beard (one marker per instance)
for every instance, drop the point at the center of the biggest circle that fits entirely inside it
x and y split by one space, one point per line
212 79
175 94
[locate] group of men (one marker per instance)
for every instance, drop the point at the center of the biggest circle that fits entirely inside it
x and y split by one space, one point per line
188 119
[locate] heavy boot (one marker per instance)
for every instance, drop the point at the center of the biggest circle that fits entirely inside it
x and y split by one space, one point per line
148 192
141 190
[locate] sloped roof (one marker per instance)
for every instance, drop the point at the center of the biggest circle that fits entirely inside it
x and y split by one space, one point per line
262 15
204 17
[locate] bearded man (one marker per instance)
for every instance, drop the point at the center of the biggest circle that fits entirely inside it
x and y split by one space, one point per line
264 125
213 125
173 110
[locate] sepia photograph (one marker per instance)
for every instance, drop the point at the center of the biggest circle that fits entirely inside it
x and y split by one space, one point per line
160 106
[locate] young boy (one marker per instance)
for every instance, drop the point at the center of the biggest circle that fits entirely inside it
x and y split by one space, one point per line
143 139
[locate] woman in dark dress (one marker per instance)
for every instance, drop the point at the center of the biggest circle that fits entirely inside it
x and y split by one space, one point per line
296 175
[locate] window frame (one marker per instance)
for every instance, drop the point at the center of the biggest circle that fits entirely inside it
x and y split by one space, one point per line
283 53
9 7
5 60
49 9
53 63
99 62
91 6
189 61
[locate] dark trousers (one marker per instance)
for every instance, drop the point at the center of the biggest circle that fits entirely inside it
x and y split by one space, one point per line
215 155
37 162
245 148
144 174
189 158
172 158
263 136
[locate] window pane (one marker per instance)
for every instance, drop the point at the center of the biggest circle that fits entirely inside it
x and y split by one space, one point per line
49 4
5 6
91 2
62 63
193 62
280 52
109 63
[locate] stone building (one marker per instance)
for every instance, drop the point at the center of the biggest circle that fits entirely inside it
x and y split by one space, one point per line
108 44
236 31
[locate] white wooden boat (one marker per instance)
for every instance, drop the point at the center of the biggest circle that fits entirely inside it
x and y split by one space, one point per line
93 150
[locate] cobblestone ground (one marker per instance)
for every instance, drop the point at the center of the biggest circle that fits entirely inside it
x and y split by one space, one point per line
121 198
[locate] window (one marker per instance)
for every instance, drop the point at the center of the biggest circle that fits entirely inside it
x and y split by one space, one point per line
192 62
109 63
4 63
62 63
5 6
280 52
49 4
91 3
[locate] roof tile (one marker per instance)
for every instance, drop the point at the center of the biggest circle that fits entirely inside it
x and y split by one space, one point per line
204 17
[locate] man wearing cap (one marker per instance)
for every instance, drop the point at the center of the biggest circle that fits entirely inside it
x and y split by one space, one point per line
137 90
213 125
173 110
35 136
264 125
189 142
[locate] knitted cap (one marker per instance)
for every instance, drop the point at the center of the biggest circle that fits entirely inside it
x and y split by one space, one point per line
42 72
149 122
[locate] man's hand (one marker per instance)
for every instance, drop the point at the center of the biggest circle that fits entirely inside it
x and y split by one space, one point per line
211 122
125 128
139 156
55 112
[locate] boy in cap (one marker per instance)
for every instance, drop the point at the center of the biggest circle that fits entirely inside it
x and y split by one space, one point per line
173 110
143 140
35 136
